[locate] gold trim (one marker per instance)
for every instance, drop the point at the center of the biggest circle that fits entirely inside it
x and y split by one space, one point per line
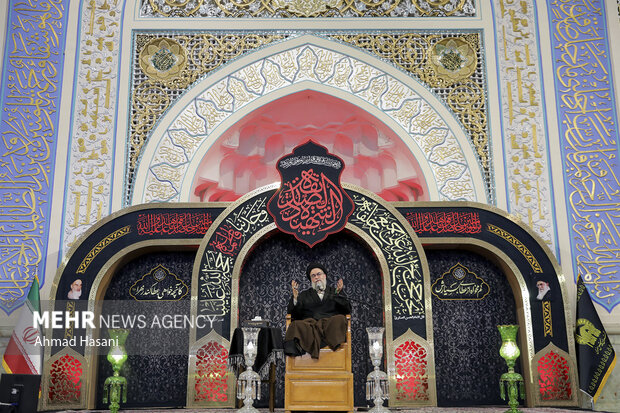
70 308
100 247
507 236
573 381
548 323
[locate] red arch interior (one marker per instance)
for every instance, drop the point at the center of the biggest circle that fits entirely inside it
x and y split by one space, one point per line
244 157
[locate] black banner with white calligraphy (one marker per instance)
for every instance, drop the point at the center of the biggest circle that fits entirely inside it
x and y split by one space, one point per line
217 260
399 248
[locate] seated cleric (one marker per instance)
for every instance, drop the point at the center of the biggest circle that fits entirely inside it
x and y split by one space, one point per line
318 315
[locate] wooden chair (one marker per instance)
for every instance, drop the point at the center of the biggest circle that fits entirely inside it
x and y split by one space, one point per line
323 384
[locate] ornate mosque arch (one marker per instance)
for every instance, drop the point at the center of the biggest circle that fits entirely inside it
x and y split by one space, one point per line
202 115
404 270
392 228
546 337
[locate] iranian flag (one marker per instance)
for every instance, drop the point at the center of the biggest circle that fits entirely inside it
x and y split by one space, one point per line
23 354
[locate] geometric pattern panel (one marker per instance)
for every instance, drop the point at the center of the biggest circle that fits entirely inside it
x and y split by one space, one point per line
177 146
588 125
305 8
211 381
157 83
450 64
425 56
553 377
65 382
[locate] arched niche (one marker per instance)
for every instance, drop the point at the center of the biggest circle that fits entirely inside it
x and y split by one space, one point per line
390 230
404 270
244 157
524 259
175 148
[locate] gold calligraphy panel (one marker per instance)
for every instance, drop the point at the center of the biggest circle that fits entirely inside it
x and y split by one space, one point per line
525 141
94 118
588 123
30 96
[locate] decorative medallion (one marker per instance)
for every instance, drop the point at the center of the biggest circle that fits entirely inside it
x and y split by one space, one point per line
453 59
310 203
163 59
159 285
459 283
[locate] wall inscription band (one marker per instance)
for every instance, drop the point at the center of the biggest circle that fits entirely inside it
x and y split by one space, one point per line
528 183
29 98
588 124
93 122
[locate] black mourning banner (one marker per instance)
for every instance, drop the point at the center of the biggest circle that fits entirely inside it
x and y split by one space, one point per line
310 203
595 354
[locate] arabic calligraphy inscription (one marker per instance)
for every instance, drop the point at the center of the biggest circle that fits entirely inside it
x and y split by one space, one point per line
400 253
30 96
459 283
588 123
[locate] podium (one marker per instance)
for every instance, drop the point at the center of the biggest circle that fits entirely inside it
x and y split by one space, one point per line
325 384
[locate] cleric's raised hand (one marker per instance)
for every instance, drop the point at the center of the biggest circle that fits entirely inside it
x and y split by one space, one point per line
339 286
295 287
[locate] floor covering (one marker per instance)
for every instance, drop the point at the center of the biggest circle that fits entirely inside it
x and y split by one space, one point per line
485 409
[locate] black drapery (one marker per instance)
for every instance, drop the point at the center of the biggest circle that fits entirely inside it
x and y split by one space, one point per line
265 288
467 361
156 368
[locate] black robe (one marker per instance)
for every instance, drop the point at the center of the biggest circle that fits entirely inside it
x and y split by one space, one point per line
316 322
309 305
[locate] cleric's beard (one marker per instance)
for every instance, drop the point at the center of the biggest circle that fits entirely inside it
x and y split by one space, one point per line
319 285
541 294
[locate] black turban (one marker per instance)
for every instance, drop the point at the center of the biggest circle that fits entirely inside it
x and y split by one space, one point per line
312 266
